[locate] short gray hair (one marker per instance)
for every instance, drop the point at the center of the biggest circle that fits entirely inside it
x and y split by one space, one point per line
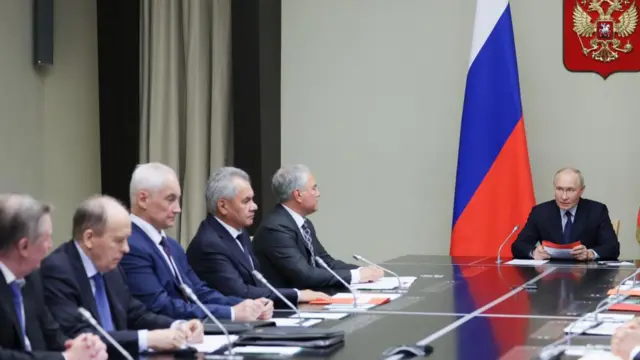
149 176
221 186
92 214
20 217
287 179
572 170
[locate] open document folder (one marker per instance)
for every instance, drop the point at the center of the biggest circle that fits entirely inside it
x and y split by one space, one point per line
386 283
363 301
559 251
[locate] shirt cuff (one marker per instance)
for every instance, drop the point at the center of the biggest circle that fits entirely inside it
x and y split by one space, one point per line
142 340
232 316
297 295
177 323
595 254
634 352
355 276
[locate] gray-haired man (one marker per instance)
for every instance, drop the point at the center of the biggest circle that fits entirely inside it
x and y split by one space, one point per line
286 243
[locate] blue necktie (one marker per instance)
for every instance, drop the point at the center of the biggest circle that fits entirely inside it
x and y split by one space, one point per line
102 302
567 228
16 291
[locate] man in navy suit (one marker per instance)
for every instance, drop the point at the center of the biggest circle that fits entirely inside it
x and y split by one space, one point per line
156 266
27 329
568 219
221 254
84 272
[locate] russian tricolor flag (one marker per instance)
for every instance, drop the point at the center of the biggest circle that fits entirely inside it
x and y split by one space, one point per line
494 191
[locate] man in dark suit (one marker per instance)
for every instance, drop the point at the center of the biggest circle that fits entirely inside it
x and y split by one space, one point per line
28 331
220 252
84 272
156 266
286 244
568 219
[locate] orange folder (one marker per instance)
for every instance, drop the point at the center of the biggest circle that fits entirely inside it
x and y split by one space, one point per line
346 301
560 246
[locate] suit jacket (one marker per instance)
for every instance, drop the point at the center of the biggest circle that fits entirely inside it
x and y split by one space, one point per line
67 287
280 248
45 336
591 226
151 281
218 260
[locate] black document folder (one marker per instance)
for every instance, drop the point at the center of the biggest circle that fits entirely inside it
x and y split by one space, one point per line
309 338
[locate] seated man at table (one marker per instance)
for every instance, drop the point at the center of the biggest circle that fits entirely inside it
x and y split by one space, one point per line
220 252
156 266
566 220
625 342
286 243
84 272
27 330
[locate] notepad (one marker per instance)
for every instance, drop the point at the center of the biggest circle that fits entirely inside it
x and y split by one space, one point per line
347 298
291 321
386 283
317 315
272 350
526 262
211 343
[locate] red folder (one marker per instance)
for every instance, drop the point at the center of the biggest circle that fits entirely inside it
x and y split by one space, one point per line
374 301
560 246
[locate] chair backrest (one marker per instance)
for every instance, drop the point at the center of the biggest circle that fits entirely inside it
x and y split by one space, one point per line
616 226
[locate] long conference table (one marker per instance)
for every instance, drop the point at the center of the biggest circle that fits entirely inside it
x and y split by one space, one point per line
474 308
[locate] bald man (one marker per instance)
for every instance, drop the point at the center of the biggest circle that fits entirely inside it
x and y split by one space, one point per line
567 219
85 272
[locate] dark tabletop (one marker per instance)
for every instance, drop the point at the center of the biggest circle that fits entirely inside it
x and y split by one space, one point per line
475 308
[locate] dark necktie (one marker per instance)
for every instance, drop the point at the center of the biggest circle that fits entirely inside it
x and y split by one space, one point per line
16 291
102 302
165 247
306 235
244 250
567 228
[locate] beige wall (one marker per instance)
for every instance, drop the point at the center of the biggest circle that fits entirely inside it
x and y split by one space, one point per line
372 95
49 128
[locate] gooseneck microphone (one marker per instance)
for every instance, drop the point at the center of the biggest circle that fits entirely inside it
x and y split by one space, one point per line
324 265
87 316
261 278
189 293
515 228
360 258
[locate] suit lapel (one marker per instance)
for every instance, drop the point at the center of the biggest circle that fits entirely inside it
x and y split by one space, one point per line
231 244
299 237
158 253
83 281
555 220
582 213
6 298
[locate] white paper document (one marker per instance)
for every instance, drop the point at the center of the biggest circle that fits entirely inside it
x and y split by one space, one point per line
211 343
317 315
608 324
526 262
558 253
616 263
362 301
276 350
386 283
291 321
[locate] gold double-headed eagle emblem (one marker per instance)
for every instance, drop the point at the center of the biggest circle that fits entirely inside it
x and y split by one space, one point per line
605 45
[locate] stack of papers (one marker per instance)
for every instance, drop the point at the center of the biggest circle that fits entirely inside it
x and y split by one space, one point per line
211 343
317 315
559 251
344 301
295 321
526 262
271 350
606 324
386 283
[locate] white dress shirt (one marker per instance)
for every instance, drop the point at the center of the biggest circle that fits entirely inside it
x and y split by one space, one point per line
234 233
355 273
634 352
10 277
156 236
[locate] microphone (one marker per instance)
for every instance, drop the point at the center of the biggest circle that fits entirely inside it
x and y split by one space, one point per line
515 228
324 265
360 258
87 316
189 293
261 278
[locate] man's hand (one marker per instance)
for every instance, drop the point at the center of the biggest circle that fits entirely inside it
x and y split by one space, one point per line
165 339
625 339
540 253
581 253
193 331
85 346
309 295
370 273
248 310
267 311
